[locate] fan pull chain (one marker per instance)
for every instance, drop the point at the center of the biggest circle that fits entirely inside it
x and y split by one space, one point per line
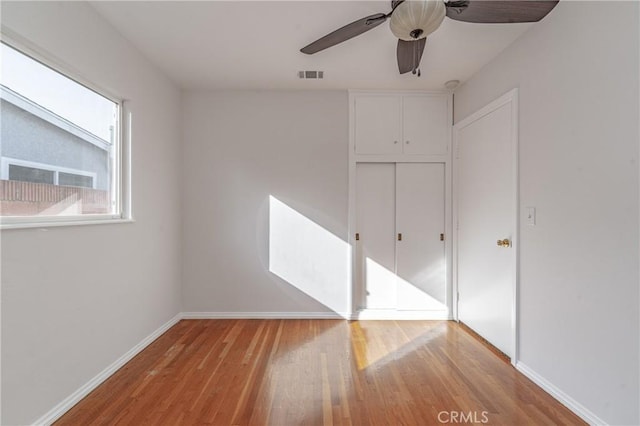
415 60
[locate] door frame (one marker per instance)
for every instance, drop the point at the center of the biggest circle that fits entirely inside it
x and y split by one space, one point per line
399 158
510 97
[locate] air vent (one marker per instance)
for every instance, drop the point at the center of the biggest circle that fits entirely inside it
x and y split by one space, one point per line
311 75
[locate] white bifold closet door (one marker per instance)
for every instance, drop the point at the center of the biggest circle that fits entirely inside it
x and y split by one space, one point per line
399 219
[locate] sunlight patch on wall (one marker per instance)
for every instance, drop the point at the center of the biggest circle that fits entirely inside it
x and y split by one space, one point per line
386 290
381 285
412 297
431 279
308 257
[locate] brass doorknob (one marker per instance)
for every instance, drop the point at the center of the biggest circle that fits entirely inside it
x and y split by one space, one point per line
504 243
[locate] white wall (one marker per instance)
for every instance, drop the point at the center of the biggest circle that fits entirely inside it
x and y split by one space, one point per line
577 72
74 299
240 148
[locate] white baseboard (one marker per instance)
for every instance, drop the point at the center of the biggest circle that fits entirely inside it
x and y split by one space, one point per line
56 412
390 314
372 314
264 315
562 397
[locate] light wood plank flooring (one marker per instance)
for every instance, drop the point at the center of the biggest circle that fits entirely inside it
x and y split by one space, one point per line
317 372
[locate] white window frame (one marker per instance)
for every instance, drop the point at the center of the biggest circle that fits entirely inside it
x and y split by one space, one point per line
120 175
5 162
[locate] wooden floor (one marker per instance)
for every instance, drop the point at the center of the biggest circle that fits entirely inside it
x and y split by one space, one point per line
317 372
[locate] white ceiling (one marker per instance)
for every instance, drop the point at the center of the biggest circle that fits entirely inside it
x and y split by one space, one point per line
255 44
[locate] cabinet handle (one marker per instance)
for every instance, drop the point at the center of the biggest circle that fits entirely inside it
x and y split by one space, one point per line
399 236
395 142
407 142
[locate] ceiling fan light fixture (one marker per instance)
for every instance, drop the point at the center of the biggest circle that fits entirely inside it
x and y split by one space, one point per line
420 17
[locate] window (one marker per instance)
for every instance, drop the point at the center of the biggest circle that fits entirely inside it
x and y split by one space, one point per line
60 146
27 171
70 179
30 174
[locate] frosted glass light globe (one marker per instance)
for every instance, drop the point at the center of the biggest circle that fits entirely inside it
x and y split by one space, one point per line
421 17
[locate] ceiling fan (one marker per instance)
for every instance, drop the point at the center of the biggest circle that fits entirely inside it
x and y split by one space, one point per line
413 20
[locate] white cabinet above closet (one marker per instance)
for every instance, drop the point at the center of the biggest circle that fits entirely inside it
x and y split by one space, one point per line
401 124
377 124
425 124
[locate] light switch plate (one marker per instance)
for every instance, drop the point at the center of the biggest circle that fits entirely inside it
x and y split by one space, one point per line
531 216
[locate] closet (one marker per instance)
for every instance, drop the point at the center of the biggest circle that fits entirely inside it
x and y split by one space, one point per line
399 163
400 236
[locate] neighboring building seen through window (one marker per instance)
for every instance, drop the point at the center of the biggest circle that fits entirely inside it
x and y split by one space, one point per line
29 174
59 144
69 179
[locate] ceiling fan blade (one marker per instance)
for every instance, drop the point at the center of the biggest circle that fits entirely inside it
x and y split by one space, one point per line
345 33
409 54
500 11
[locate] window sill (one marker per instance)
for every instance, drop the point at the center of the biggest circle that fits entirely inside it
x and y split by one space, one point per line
51 224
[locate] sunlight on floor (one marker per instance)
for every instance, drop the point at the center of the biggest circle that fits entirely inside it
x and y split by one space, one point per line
371 347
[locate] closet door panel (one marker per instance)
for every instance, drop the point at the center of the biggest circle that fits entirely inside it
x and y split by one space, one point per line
375 223
420 255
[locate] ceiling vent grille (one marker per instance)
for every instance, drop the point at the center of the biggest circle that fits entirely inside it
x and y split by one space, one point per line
311 75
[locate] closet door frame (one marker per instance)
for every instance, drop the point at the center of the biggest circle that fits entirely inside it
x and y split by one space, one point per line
448 228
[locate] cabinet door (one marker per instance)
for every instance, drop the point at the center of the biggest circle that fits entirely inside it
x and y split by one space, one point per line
375 223
377 124
426 126
420 255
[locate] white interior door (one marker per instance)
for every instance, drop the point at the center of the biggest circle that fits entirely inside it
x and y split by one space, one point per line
375 225
420 255
486 213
